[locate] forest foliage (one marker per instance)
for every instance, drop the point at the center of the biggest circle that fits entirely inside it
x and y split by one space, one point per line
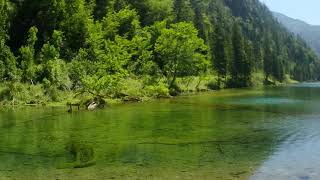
51 50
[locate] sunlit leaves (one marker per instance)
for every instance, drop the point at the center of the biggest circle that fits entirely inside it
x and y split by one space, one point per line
123 23
181 51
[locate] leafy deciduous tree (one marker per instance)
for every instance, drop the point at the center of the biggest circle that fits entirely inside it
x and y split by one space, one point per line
182 51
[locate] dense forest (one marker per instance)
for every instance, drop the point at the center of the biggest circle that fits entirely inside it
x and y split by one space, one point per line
57 50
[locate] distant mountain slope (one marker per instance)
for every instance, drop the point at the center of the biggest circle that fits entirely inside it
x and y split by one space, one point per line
309 33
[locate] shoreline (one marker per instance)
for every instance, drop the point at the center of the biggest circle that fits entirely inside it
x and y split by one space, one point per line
119 101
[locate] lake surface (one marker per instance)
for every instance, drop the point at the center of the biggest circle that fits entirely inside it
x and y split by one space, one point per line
266 133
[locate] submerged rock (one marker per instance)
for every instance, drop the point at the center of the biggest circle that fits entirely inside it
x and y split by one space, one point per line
82 155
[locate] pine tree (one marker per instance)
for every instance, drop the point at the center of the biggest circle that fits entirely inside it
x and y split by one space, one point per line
240 68
269 56
183 11
220 61
27 56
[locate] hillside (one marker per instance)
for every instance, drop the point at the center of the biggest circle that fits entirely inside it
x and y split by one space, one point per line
131 48
310 33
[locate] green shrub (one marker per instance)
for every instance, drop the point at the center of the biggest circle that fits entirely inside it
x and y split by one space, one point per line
130 87
158 90
19 93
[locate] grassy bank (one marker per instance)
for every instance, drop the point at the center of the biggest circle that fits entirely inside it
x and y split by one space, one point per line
130 90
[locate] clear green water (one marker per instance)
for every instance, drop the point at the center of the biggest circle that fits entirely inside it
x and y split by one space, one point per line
269 133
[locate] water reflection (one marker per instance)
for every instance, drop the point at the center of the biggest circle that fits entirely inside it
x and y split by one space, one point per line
82 155
230 134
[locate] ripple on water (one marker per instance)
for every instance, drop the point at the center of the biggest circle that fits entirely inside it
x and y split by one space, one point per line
307 85
265 101
297 153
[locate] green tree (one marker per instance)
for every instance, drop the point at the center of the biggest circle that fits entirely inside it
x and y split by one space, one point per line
108 62
140 48
51 50
8 69
54 70
269 48
220 60
4 10
278 65
158 11
240 65
183 11
75 26
27 56
182 51
124 23
8 66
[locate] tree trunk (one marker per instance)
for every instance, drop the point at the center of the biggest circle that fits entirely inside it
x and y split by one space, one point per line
173 81
199 82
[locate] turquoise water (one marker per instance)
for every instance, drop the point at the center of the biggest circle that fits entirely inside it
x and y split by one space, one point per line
267 133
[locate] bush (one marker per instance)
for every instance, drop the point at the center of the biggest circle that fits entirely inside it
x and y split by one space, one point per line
159 90
258 78
18 93
130 87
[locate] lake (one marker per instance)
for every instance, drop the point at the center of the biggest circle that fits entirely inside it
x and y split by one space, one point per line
265 133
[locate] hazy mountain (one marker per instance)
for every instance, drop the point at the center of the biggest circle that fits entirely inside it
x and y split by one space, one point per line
309 33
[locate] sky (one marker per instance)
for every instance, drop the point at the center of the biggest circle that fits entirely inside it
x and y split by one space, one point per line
305 10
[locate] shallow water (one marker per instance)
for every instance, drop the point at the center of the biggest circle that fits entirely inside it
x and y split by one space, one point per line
267 133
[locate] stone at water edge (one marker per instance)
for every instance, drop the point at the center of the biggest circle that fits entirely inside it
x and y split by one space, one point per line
93 106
